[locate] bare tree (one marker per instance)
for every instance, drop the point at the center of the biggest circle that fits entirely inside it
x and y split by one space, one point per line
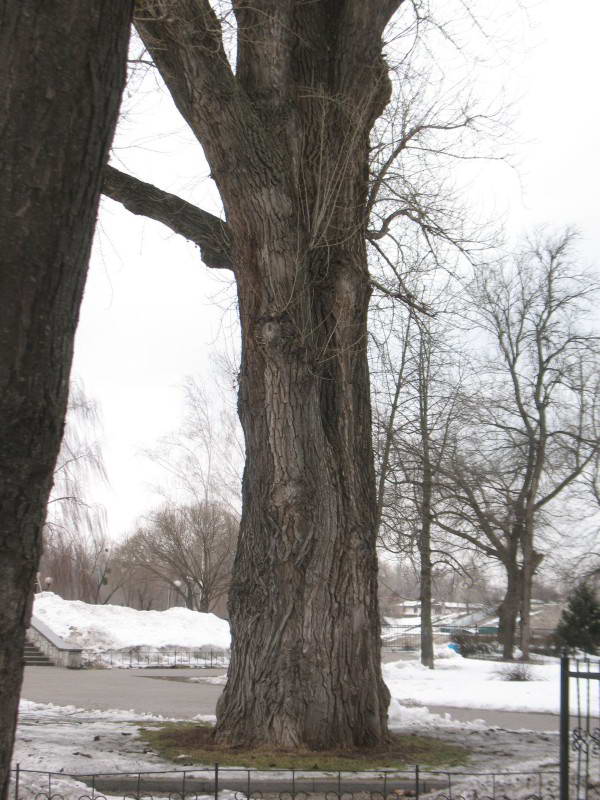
416 419
190 548
533 432
62 69
79 462
204 456
75 540
286 132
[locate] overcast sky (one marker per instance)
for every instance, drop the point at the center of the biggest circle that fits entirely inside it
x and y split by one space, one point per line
153 313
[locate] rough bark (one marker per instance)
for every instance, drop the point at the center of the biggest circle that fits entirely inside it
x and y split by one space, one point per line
508 612
62 69
287 139
424 367
427 658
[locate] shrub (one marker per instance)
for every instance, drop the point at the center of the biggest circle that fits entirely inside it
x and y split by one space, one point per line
472 644
515 672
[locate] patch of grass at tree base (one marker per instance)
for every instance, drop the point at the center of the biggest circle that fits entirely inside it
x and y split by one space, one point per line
195 741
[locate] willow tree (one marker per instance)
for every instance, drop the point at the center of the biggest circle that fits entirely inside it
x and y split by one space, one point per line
286 135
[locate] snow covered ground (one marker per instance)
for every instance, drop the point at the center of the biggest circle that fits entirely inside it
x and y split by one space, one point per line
107 627
473 683
73 740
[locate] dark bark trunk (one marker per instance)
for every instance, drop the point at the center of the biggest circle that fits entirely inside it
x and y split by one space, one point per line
508 612
427 658
62 69
305 667
425 558
424 367
204 604
305 664
532 562
287 139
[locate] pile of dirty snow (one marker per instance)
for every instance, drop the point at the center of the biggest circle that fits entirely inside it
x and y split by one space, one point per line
110 627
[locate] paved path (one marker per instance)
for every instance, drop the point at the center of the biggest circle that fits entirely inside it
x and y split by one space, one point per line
144 690
170 693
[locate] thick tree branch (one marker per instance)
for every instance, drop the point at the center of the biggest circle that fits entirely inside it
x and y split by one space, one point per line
204 229
185 41
371 14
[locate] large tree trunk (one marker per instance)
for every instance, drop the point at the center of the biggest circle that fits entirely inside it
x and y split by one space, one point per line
305 667
508 612
287 139
427 658
62 69
532 561
305 664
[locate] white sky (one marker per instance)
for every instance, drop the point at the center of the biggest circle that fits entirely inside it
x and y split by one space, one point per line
153 313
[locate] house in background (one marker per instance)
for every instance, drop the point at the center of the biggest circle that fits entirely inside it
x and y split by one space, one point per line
439 608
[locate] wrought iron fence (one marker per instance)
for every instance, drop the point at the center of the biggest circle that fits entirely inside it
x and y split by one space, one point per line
396 637
139 657
228 783
579 728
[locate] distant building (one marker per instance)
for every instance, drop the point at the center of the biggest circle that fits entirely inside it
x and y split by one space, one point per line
439 608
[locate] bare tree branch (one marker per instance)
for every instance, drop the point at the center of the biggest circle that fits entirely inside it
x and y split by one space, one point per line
204 229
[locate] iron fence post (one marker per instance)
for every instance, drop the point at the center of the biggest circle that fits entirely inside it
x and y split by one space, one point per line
417 781
17 771
216 781
564 727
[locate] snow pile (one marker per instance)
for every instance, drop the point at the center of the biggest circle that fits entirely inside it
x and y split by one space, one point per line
110 627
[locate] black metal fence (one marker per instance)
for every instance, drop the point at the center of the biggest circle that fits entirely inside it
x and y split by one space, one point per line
579 728
409 638
223 783
150 657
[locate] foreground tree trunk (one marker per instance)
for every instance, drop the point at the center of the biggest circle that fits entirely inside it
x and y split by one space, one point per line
287 139
62 69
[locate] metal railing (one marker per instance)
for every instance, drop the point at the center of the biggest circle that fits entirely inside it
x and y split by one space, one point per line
409 638
219 783
140 657
55 648
579 728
